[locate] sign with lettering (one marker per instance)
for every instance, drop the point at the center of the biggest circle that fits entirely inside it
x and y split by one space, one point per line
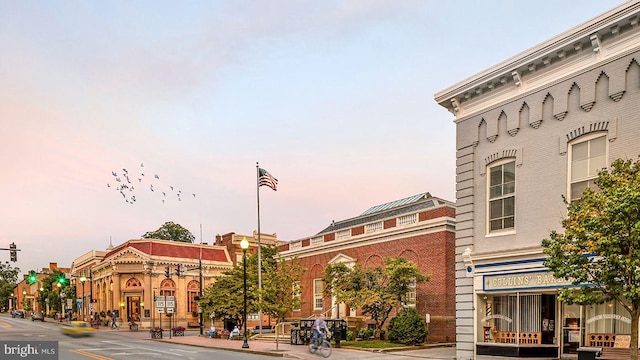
530 280
171 302
160 301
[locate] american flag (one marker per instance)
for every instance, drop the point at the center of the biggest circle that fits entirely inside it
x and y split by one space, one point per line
266 179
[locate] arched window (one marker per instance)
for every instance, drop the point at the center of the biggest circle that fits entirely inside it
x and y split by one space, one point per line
133 282
167 288
193 289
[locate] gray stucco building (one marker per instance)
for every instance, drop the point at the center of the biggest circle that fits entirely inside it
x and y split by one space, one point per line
531 130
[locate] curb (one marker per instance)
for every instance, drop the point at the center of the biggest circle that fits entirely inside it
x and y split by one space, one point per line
273 353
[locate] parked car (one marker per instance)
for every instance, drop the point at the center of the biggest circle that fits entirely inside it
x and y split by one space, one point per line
78 328
36 315
17 313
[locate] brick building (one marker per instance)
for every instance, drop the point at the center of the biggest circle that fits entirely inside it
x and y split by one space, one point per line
420 228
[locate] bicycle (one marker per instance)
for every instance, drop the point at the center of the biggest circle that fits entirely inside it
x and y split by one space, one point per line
321 344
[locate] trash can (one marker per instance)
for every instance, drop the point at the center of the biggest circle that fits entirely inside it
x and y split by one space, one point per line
588 353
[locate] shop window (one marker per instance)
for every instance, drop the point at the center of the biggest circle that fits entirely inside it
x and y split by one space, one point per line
527 319
605 323
587 157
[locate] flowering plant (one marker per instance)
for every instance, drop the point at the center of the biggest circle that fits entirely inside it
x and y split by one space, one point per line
177 328
157 329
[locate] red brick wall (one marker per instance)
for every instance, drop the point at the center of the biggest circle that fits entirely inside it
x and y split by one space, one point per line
357 230
390 223
434 254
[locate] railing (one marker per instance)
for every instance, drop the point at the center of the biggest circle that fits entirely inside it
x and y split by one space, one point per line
511 337
408 219
373 227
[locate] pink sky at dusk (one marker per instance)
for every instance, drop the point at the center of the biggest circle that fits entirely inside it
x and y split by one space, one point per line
333 98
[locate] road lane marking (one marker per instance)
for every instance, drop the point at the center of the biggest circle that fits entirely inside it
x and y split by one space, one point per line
91 355
5 324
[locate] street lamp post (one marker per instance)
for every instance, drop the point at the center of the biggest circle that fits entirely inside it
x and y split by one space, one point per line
244 244
84 314
61 296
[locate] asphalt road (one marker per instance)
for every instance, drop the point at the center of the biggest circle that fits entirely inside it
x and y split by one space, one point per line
105 345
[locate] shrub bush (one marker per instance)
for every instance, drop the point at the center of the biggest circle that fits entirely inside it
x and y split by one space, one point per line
350 335
408 327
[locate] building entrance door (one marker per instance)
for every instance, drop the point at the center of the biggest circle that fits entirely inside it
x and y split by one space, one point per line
572 328
133 308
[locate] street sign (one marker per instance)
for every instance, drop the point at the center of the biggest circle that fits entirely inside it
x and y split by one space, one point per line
69 303
160 310
169 310
171 302
160 302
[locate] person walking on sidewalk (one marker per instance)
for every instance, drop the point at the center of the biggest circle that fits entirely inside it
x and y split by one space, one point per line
114 324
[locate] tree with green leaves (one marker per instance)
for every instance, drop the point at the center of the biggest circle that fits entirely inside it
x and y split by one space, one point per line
375 291
279 285
224 298
51 291
170 231
8 281
599 251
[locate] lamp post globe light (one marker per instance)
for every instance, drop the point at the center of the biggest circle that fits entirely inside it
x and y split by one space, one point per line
244 244
84 314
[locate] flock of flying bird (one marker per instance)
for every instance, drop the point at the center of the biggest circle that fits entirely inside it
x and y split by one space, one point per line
128 185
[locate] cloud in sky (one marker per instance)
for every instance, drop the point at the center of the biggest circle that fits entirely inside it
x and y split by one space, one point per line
334 98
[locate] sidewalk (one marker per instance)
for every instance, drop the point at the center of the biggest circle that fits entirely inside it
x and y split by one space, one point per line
285 349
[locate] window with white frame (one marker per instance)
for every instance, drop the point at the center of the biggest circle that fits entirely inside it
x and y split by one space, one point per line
317 294
411 294
502 196
295 293
343 234
373 227
317 240
295 245
588 156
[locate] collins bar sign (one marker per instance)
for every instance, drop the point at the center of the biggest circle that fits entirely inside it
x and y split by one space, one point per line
530 280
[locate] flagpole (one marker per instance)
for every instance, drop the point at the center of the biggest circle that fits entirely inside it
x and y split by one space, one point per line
259 247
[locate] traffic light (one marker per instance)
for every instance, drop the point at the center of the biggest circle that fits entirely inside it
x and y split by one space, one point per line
177 270
32 277
167 272
14 252
62 280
